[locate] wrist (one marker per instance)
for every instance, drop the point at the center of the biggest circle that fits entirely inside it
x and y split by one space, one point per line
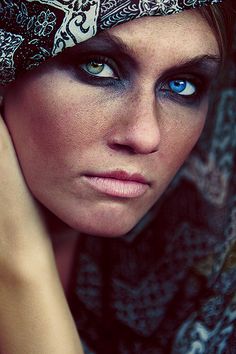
27 265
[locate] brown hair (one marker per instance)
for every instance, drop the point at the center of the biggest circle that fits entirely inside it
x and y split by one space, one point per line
220 18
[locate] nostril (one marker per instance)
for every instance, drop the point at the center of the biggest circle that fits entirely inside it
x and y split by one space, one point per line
142 136
131 150
122 148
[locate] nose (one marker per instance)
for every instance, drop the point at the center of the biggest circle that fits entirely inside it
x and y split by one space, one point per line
137 130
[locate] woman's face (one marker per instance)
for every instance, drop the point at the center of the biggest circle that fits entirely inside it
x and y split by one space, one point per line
101 130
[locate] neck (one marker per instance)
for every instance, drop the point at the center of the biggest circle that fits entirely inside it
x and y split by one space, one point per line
64 240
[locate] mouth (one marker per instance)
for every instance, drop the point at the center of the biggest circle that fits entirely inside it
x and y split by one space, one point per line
118 184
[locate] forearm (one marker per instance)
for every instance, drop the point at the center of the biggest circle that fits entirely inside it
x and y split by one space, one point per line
35 317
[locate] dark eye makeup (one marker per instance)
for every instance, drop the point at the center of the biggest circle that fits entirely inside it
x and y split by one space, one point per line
186 84
186 88
100 67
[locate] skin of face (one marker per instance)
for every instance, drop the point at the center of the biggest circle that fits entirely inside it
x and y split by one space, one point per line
66 123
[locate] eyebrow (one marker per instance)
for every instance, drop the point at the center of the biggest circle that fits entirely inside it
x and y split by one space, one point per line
205 63
111 45
107 41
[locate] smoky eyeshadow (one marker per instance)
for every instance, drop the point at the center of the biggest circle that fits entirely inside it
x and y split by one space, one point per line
101 45
112 47
202 70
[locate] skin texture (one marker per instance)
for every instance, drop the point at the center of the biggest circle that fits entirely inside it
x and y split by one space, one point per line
34 314
64 127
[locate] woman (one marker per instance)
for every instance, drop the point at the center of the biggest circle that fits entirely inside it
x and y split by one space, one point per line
99 133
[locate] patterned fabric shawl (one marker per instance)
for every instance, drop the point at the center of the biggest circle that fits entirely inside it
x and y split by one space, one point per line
169 286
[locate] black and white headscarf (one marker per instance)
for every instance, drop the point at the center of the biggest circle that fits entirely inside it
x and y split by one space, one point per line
33 30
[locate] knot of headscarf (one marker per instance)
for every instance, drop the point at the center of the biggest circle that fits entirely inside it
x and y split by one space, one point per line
32 31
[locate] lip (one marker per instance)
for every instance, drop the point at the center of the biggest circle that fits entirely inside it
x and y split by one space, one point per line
123 176
118 183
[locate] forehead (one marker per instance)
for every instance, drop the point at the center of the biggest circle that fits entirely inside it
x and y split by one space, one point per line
187 33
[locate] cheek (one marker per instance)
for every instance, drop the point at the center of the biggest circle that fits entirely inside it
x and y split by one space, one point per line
180 131
48 125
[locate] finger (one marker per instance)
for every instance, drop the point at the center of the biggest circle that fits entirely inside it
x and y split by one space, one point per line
5 139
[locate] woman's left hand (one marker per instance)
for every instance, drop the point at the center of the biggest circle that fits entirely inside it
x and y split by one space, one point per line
34 314
23 236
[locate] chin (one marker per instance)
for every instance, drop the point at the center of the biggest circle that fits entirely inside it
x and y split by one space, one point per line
104 228
102 224
100 220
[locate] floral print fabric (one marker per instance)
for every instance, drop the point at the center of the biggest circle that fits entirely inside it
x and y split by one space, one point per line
33 30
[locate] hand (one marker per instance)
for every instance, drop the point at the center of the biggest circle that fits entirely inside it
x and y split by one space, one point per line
23 236
34 314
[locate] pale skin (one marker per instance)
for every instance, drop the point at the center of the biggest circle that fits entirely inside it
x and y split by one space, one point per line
63 125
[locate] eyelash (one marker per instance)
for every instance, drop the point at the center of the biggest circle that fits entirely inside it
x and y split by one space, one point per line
200 82
101 60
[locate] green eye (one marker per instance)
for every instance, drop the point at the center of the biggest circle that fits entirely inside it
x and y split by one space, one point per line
99 68
94 67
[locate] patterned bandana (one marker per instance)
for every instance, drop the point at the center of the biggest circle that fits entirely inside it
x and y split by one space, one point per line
32 31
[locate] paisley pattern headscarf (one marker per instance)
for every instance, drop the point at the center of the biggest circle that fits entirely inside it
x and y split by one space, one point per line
169 286
33 30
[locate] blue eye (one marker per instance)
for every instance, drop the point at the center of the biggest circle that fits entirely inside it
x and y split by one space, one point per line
182 87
